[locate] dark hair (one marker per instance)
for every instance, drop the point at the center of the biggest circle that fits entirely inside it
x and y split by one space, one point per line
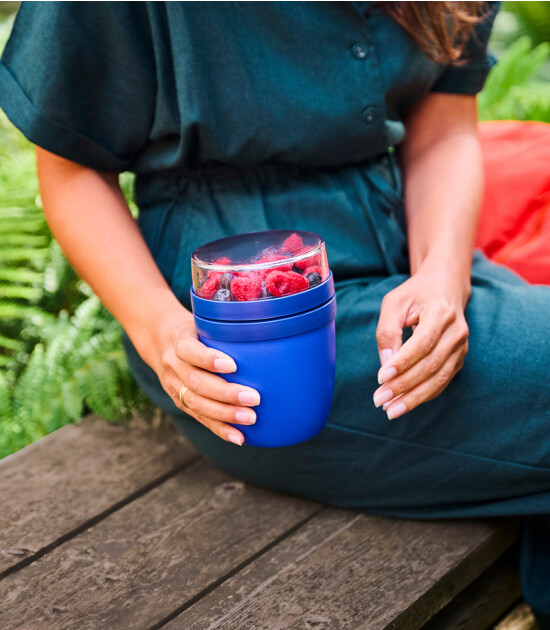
441 29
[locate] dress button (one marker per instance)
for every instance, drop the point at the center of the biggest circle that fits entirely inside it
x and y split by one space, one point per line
369 114
359 50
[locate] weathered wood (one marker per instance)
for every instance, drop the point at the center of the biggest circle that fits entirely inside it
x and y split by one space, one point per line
60 484
520 618
344 571
151 557
484 601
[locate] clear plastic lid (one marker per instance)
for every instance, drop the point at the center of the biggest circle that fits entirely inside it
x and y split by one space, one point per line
259 266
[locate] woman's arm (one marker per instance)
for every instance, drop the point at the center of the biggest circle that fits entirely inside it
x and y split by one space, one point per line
443 183
91 221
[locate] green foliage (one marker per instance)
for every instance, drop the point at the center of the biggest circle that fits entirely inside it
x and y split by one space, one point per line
60 350
511 92
533 19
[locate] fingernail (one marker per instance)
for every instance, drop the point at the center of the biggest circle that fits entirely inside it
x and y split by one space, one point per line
225 365
396 410
385 375
385 355
245 417
384 407
382 397
249 398
236 438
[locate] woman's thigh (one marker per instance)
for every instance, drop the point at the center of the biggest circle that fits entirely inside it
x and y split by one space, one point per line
481 448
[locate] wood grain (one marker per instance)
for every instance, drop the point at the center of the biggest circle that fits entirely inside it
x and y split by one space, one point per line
151 557
484 601
68 479
343 571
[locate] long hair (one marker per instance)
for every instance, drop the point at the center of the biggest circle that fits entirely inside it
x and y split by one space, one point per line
441 29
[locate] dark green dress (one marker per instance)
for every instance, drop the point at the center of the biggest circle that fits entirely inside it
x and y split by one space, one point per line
240 117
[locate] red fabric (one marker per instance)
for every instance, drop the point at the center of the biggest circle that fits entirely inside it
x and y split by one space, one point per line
514 227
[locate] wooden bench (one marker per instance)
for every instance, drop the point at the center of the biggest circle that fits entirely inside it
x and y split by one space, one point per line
107 526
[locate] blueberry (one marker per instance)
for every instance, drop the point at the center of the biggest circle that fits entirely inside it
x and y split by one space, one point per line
265 294
314 279
222 295
296 269
225 280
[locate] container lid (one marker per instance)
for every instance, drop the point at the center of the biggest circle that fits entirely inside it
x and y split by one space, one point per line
259 266
263 309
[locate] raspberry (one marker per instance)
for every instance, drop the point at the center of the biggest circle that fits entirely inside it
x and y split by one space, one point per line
314 269
272 258
224 260
214 274
276 283
208 288
296 282
280 283
246 288
312 261
293 244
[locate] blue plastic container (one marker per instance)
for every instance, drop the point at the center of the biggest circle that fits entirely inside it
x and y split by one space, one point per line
285 349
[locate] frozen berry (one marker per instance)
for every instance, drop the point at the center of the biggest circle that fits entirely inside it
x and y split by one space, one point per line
225 280
214 274
296 282
276 283
264 293
224 260
312 261
208 288
313 278
280 283
222 295
246 288
293 244
273 258
314 269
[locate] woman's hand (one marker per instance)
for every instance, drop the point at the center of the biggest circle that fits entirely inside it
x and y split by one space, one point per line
432 302
87 214
182 360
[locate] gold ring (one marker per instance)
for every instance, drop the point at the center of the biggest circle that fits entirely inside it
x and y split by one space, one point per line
182 392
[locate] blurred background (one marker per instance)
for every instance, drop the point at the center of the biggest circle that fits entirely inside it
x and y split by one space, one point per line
60 350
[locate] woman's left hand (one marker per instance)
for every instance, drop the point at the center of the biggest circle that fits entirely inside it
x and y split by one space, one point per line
432 302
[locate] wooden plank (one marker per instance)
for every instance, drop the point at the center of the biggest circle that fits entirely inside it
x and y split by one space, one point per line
483 602
60 484
356 572
158 553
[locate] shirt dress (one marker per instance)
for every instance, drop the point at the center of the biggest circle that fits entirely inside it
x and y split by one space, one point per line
247 116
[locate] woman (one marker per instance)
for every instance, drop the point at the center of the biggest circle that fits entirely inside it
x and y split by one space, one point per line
240 117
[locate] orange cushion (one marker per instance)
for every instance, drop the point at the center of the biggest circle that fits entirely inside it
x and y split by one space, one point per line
514 227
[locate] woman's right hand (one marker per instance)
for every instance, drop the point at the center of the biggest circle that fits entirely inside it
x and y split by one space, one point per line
184 361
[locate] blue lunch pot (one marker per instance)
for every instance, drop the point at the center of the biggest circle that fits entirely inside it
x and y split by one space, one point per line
281 336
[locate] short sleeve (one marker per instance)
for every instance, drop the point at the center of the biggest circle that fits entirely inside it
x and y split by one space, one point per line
78 79
469 77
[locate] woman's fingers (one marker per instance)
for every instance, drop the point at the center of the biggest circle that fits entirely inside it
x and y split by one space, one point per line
193 351
433 365
210 408
425 391
221 429
433 321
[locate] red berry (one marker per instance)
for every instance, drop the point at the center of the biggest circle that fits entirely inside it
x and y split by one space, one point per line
214 274
224 260
246 288
296 282
312 261
293 244
208 288
272 258
280 283
313 269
